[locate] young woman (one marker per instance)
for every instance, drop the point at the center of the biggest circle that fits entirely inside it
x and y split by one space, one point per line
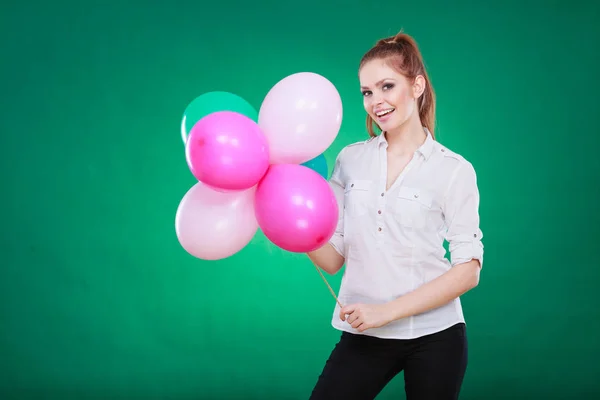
401 194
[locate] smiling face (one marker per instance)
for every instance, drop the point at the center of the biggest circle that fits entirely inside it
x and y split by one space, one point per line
388 96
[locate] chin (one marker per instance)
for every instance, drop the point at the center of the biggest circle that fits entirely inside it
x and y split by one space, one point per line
391 125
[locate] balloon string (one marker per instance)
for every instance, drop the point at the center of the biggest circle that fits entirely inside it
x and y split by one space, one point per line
329 286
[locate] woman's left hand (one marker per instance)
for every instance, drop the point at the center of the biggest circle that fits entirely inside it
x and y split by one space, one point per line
366 316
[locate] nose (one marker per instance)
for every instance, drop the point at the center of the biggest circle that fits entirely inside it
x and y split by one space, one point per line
377 99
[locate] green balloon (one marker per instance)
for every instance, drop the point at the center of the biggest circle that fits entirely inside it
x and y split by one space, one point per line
211 102
318 164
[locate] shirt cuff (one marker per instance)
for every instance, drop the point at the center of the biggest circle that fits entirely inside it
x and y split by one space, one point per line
337 242
464 249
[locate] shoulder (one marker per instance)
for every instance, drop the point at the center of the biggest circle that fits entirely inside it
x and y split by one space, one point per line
351 160
354 149
454 161
458 171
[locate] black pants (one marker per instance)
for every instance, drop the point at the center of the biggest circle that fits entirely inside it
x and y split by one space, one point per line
360 366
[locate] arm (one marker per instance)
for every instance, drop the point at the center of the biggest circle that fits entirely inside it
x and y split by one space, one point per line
440 291
461 210
330 257
327 258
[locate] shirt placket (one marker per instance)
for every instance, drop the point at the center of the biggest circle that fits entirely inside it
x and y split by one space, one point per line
382 196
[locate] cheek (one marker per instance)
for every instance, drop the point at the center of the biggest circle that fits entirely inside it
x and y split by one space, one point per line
402 98
403 101
367 104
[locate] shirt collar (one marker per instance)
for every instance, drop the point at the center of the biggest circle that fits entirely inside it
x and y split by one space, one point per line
426 149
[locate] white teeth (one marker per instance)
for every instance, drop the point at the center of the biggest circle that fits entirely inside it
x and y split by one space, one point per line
384 112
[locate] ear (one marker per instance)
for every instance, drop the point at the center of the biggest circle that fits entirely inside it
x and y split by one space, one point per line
419 86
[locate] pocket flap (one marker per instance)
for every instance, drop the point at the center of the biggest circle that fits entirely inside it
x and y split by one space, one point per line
420 196
358 185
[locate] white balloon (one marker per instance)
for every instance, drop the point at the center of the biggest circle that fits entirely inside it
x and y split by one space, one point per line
301 116
212 224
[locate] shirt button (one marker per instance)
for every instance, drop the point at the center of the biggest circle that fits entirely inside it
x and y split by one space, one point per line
474 235
379 212
352 185
382 194
379 229
416 195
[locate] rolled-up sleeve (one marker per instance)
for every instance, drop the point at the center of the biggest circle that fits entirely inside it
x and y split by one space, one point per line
337 185
461 210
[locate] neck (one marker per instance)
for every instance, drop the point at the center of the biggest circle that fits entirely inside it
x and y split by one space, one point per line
407 138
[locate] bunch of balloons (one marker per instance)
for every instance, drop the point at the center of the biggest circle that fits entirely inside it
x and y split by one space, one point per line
261 169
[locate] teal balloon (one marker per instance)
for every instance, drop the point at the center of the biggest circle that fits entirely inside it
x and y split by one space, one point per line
318 164
211 102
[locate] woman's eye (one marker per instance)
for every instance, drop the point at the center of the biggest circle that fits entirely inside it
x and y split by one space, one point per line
388 86
366 93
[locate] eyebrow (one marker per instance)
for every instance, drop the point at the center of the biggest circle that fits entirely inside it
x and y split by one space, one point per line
378 83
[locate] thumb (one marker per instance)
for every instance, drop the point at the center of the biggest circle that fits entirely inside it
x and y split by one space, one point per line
346 310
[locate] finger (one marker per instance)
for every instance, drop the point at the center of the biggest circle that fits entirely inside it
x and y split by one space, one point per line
345 313
347 309
356 315
355 321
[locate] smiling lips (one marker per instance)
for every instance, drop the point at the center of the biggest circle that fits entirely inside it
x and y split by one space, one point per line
383 114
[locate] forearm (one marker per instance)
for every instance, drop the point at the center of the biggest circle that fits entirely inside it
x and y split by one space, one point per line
327 258
458 280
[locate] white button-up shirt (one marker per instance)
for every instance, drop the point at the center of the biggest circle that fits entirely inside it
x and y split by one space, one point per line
392 240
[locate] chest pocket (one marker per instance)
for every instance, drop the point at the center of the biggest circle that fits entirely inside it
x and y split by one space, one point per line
357 197
414 208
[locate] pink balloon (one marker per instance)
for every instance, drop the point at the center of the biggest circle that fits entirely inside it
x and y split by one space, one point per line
213 225
301 117
227 150
296 208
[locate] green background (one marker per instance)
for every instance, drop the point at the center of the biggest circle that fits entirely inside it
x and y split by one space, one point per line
98 299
